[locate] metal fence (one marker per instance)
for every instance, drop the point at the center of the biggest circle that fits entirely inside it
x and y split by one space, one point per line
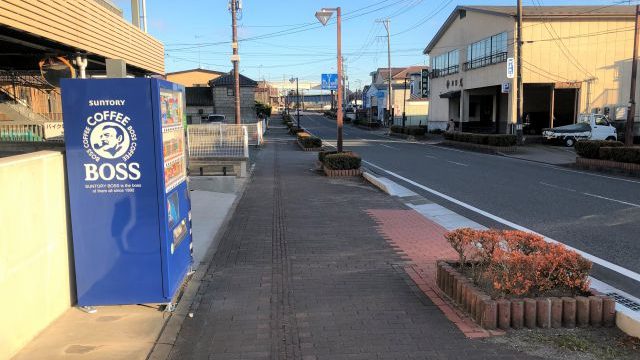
412 120
21 132
255 131
208 141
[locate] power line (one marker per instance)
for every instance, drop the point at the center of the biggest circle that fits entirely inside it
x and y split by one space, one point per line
424 19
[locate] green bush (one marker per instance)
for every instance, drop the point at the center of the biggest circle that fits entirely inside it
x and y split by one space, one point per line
310 141
322 154
482 139
414 130
342 161
294 130
591 148
396 129
626 154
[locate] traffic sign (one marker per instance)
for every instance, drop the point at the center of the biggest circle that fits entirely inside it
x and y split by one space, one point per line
329 82
511 68
506 87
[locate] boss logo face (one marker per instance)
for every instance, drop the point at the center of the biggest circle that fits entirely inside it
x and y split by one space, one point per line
108 135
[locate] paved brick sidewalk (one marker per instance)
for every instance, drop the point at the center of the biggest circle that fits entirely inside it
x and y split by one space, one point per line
303 273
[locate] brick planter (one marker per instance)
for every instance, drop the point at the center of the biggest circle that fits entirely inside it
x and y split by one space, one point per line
341 173
547 312
481 147
608 165
308 149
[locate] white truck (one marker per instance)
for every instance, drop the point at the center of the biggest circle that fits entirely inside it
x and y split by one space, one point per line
588 127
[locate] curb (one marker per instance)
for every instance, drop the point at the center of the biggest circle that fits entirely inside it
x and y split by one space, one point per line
376 182
166 339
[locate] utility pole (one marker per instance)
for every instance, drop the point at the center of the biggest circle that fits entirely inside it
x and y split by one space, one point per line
387 25
235 58
404 105
628 132
519 75
339 58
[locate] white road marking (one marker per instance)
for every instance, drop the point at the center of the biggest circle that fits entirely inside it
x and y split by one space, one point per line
390 147
431 156
457 163
604 263
557 187
610 199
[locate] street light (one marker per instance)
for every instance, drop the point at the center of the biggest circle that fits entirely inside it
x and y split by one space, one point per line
323 16
297 98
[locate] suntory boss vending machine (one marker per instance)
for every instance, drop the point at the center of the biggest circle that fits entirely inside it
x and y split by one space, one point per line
129 202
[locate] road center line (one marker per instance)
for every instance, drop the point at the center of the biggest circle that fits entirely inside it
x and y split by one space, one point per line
457 163
431 156
390 147
556 186
604 263
610 199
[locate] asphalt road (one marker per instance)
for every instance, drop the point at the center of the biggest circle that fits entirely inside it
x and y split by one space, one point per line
596 213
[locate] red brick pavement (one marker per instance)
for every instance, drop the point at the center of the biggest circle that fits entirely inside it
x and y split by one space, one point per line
422 242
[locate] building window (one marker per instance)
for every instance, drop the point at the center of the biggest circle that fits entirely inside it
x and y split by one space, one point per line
446 64
491 50
230 91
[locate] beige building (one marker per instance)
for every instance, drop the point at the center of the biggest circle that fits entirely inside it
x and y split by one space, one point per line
193 77
575 59
93 39
405 89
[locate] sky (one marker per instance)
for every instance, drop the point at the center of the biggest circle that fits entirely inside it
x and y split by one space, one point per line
280 39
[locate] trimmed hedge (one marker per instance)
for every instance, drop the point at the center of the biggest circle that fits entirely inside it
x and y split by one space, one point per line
620 154
414 130
342 161
322 154
309 141
482 139
294 130
591 148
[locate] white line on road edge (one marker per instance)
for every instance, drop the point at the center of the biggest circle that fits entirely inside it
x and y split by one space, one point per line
604 263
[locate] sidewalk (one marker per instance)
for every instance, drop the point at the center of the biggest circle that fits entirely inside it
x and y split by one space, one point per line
311 268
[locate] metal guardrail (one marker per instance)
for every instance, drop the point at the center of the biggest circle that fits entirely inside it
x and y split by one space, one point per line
216 141
22 132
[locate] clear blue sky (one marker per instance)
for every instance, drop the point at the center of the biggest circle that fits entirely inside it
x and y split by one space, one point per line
285 39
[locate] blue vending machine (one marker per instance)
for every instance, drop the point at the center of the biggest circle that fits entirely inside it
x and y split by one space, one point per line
129 202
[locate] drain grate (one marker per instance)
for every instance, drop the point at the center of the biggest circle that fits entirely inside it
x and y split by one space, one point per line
624 301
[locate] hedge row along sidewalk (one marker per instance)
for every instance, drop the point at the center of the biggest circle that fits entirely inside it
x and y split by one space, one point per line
605 155
491 143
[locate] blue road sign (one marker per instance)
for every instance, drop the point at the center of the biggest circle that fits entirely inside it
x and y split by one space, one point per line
329 82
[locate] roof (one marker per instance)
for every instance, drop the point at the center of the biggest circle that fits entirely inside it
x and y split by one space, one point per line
410 70
532 12
198 70
227 80
385 71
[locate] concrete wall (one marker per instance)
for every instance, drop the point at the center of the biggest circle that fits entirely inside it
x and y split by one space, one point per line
35 261
224 104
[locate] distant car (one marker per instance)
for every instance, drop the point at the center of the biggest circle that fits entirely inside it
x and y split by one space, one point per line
213 118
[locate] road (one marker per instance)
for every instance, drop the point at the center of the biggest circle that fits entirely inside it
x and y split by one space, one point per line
595 213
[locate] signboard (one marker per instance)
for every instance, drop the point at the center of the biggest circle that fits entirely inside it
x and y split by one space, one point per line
53 130
329 82
129 204
506 87
511 68
425 83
